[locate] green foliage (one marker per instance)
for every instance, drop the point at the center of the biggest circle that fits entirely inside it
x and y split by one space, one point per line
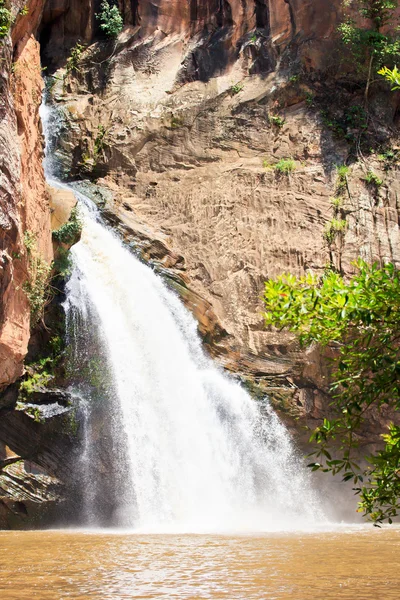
380 12
373 180
89 160
236 89
63 264
350 124
360 321
309 99
355 117
24 11
381 499
371 47
332 228
73 424
111 21
337 203
37 287
285 166
176 122
40 374
36 381
30 241
392 76
342 173
369 44
33 411
277 120
74 58
5 20
70 232
389 157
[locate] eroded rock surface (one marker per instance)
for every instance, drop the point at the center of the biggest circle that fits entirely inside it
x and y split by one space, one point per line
24 203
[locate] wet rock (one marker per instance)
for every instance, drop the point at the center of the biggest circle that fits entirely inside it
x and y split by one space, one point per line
29 497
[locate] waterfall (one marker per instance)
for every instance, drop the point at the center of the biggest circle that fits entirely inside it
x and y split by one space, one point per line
183 446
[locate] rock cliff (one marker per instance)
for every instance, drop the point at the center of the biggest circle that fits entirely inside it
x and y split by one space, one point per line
24 204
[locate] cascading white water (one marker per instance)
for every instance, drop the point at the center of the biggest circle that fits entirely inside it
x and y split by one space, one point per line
191 450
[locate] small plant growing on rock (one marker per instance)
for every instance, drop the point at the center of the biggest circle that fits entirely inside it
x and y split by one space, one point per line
277 120
70 232
392 76
37 287
32 411
5 20
74 58
334 227
373 180
236 89
309 99
63 264
90 158
389 157
111 21
337 203
176 122
285 166
342 172
35 382
29 241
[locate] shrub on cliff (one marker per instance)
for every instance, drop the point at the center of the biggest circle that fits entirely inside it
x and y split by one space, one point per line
371 44
111 21
392 76
70 232
360 321
5 20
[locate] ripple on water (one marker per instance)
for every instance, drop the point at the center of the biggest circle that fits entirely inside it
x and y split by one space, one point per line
356 562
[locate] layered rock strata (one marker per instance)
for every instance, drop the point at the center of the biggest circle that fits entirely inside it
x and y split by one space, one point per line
24 202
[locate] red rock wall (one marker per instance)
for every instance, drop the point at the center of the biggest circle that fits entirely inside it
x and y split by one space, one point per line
24 201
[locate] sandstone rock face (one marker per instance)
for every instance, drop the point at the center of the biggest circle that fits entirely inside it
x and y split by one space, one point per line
24 204
62 202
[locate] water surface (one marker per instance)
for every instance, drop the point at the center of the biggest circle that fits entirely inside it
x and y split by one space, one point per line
362 564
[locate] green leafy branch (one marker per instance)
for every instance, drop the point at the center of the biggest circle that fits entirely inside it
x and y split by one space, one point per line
360 321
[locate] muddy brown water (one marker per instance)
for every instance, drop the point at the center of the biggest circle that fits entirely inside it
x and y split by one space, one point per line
353 563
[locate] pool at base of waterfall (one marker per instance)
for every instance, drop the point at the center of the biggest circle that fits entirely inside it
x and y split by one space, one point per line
345 563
